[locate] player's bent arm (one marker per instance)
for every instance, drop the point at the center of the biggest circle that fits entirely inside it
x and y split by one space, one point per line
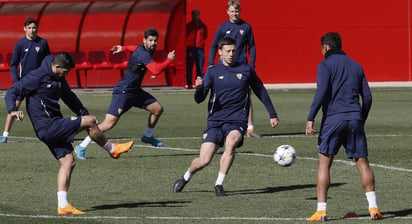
262 94
119 48
157 67
200 94
72 101
19 115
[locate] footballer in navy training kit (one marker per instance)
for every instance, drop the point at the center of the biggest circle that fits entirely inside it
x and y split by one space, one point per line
28 55
344 95
128 91
43 88
229 83
241 31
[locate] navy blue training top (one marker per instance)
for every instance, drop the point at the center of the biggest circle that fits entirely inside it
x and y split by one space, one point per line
43 90
130 81
340 84
27 55
230 92
242 33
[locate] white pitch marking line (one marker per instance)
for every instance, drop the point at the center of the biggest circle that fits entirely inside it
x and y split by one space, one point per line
171 217
263 155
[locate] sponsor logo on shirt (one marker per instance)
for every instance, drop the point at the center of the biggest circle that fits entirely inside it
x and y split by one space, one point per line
204 136
220 76
228 32
119 110
73 118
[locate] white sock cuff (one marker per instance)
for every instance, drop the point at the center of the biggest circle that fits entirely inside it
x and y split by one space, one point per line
371 197
86 142
62 199
321 206
220 179
187 176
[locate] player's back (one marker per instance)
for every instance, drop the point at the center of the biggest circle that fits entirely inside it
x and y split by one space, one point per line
347 83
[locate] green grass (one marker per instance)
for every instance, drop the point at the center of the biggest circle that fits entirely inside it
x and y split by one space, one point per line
136 188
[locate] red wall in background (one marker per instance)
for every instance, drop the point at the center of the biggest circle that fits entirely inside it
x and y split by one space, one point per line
82 25
376 33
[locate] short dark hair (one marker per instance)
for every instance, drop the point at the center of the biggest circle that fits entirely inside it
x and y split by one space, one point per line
150 32
29 21
332 39
64 60
226 41
195 12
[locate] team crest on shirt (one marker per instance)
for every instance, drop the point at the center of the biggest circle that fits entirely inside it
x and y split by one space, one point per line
73 118
241 32
239 76
119 110
37 49
204 135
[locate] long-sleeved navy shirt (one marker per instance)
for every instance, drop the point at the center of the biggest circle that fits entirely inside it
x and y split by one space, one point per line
245 41
230 92
131 81
340 84
27 56
43 90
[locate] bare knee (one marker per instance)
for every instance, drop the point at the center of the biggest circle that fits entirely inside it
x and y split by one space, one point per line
155 108
205 161
108 124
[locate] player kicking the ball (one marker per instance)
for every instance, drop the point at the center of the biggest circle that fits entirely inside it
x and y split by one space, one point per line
44 87
228 111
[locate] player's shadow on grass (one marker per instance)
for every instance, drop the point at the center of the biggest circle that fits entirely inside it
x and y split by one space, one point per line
400 213
141 205
270 190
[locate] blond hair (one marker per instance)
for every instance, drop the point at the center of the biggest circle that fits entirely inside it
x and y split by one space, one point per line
234 3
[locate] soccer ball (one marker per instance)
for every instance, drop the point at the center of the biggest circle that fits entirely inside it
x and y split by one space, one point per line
285 155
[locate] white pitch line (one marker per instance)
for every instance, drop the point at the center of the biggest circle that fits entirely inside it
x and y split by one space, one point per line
347 162
203 218
232 218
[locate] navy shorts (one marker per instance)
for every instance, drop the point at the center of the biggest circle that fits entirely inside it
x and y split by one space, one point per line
347 133
122 102
216 132
60 134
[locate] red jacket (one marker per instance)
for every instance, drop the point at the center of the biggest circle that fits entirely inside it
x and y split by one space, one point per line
196 34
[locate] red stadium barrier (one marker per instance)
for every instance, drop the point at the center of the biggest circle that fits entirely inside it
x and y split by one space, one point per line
287 44
90 26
